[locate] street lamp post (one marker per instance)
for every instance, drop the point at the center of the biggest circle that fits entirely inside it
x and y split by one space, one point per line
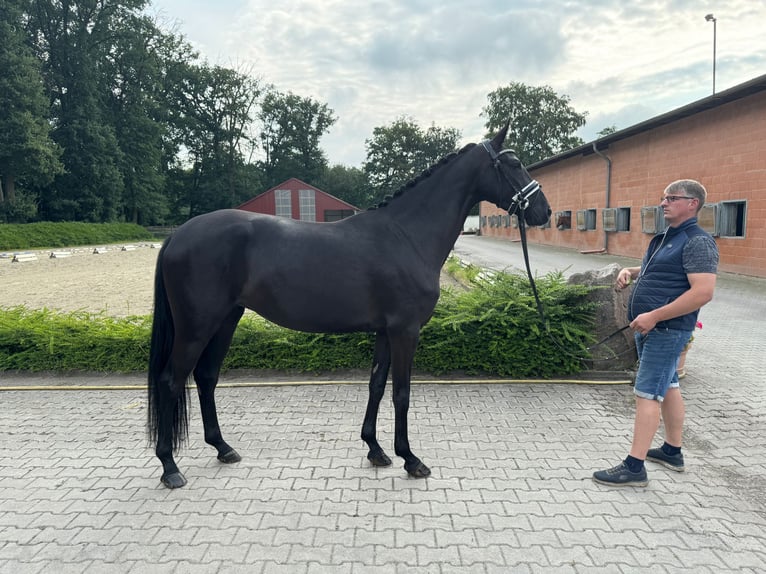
711 18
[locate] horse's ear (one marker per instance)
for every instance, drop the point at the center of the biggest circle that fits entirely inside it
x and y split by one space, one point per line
497 141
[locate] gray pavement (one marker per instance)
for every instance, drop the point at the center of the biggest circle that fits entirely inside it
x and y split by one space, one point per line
510 490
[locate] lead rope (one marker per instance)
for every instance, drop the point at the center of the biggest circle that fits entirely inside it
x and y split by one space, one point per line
541 312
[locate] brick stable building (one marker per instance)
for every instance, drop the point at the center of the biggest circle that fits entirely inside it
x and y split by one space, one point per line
605 194
299 200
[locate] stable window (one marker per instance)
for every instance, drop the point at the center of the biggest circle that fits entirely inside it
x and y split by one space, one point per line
563 220
622 218
731 218
586 219
707 218
283 203
652 219
609 219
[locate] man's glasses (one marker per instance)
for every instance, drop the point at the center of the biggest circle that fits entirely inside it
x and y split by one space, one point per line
674 198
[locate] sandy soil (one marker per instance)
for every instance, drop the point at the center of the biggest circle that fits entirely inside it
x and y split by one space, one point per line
119 283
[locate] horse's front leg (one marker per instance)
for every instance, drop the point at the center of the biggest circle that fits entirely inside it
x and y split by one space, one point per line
402 353
380 364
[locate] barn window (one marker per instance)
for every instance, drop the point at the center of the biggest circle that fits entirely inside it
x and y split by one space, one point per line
307 204
563 220
284 203
337 214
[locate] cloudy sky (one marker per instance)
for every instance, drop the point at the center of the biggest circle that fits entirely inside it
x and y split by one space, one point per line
372 62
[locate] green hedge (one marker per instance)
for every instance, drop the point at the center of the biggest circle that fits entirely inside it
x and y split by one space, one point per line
491 329
44 235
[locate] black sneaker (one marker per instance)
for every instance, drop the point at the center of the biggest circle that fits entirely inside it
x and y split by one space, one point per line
621 475
671 461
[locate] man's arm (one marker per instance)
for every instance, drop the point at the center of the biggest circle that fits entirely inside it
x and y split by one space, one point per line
700 293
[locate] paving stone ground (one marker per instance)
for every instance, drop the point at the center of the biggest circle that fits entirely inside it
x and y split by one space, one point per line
510 491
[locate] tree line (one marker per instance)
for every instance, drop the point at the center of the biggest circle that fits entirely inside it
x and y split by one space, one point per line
107 116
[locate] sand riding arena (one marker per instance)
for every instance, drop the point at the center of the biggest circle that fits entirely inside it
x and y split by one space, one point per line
116 279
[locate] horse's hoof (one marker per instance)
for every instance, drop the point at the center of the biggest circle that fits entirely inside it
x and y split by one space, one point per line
380 459
230 457
174 480
420 470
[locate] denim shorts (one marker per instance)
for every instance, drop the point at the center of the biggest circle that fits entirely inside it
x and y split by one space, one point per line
658 353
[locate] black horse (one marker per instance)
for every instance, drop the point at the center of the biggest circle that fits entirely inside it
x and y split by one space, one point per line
377 271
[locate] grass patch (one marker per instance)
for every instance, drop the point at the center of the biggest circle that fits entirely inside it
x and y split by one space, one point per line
15 236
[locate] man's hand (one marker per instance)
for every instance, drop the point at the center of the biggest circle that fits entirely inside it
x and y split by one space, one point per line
625 278
643 324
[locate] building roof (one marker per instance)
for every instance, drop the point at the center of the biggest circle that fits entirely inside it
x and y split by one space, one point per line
295 183
738 92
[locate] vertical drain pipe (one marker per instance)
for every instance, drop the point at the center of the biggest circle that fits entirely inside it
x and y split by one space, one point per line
608 189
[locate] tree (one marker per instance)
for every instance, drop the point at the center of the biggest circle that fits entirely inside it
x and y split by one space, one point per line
137 64
542 122
399 152
27 151
216 109
292 128
73 39
347 183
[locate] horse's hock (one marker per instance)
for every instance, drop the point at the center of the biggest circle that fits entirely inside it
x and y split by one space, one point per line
619 351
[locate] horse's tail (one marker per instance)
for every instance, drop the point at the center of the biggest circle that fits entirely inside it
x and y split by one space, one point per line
163 334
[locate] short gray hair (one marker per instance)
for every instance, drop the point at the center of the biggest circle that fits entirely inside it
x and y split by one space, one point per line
688 187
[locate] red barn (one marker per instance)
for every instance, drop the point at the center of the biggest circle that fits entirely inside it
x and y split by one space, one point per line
299 200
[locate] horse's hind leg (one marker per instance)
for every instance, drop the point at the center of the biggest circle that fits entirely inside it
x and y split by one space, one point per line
171 426
380 365
206 376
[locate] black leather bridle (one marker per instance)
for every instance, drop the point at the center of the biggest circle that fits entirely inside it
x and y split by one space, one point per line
520 201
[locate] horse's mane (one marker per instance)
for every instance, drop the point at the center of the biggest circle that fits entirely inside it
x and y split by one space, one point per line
424 175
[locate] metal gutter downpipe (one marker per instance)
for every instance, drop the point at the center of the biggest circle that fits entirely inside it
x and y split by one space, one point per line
608 189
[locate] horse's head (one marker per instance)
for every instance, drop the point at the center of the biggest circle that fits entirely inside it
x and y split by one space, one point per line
513 189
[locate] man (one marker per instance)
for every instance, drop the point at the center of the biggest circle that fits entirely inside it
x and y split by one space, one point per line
677 276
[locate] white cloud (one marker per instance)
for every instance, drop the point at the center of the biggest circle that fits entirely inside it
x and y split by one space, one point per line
436 61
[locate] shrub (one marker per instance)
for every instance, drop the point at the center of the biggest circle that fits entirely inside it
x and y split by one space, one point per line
495 328
491 329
